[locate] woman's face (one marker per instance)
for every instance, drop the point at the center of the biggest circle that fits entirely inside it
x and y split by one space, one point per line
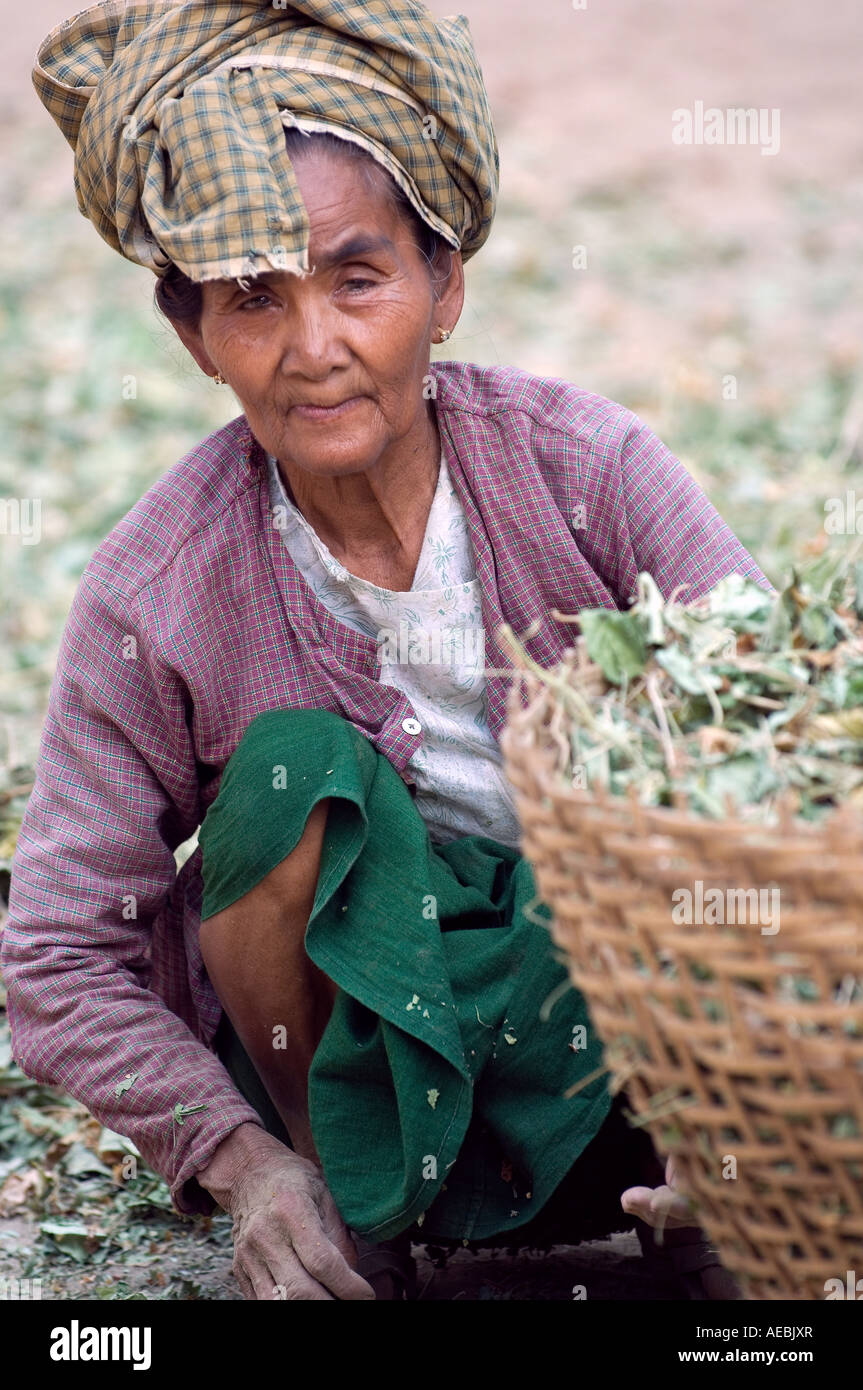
356 332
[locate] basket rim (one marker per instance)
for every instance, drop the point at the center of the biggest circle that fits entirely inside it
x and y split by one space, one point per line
844 821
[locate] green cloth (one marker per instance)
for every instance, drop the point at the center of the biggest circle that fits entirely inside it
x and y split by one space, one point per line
435 1088
176 114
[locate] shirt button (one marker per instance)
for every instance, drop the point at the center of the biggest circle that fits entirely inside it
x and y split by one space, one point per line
412 726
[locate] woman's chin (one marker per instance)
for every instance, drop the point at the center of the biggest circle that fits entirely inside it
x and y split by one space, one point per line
329 455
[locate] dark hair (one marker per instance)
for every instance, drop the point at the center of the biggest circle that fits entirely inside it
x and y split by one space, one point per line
181 299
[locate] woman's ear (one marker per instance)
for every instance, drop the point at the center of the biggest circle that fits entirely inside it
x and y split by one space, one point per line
449 290
191 339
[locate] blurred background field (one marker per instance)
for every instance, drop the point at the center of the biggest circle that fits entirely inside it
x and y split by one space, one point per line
698 265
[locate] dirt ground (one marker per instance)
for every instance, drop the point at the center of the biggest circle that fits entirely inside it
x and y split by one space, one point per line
704 261
196 1265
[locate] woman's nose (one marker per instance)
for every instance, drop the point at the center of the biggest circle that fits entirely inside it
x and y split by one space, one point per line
314 342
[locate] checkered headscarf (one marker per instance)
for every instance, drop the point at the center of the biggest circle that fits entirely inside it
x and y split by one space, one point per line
175 110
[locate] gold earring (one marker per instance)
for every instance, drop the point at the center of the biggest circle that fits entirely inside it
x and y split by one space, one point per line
444 334
219 379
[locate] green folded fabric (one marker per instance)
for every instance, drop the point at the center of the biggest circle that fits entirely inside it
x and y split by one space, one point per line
436 1088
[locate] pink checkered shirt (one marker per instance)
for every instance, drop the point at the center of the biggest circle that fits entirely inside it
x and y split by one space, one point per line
191 619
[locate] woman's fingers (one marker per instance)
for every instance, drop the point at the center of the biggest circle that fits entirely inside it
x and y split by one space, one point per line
658 1206
327 1263
247 1288
295 1254
289 1240
281 1275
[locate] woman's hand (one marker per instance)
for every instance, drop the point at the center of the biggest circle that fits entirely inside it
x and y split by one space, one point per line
660 1206
289 1240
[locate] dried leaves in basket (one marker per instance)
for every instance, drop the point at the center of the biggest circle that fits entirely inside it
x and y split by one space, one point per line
731 700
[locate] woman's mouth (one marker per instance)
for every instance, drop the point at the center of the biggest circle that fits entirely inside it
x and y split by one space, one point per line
325 412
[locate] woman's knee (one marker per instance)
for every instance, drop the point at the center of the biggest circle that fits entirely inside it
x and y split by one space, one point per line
296 875
286 737
270 811
289 885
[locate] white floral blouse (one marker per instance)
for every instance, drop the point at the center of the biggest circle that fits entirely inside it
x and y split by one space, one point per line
431 643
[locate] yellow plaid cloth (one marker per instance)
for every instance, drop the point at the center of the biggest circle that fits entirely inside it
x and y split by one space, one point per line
176 111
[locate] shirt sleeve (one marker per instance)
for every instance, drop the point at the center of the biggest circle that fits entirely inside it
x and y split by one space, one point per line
667 526
115 792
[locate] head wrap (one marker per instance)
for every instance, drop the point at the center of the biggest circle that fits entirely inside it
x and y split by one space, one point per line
176 114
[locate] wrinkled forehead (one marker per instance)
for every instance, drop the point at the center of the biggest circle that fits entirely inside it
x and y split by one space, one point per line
360 246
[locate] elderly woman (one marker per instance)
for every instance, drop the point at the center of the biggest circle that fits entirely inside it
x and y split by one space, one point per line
330 1021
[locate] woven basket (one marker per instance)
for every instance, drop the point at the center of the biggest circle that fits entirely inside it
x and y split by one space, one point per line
757 1091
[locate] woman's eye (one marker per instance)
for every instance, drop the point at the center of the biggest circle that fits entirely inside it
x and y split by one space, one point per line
256 302
356 283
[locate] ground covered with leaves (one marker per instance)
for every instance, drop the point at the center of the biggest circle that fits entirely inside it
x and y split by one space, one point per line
81 1213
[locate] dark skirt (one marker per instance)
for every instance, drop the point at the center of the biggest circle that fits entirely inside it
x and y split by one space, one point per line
444 1101
586 1205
